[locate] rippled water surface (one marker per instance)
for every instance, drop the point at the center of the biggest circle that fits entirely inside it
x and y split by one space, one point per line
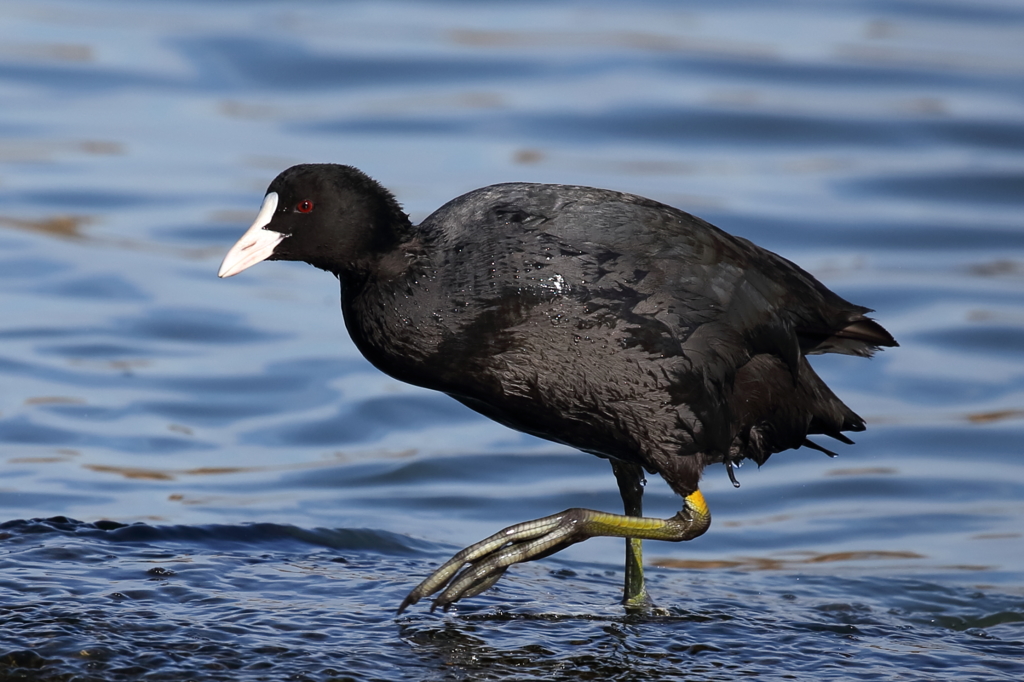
202 479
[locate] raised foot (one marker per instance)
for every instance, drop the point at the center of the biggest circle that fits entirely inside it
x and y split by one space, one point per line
486 561
479 566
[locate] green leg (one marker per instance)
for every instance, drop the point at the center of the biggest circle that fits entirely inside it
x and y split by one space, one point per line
480 565
630 480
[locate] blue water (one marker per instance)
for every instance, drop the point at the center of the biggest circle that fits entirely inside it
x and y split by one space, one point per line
202 479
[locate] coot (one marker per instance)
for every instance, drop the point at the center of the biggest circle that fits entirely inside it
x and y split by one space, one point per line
606 321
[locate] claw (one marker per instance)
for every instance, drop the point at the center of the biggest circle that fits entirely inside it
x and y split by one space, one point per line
732 474
481 557
451 595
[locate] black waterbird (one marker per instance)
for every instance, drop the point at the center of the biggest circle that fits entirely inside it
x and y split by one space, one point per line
606 321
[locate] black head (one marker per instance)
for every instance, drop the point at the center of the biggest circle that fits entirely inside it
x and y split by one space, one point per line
331 216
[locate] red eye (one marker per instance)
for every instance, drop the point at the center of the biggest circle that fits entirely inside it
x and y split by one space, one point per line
304 206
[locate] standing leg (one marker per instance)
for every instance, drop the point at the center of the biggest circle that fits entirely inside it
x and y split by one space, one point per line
630 478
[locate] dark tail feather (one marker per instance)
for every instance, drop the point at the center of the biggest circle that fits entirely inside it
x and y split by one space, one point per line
843 439
861 337
814 446
867 331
